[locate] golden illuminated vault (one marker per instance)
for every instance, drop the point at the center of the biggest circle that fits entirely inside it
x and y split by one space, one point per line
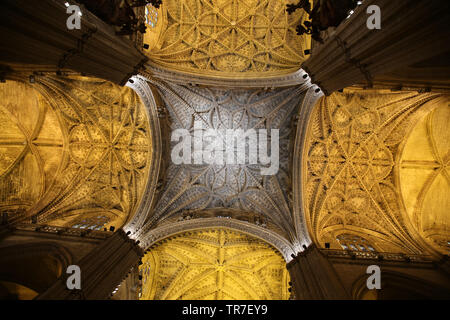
227 38
425 177
73 151
214 264
351 164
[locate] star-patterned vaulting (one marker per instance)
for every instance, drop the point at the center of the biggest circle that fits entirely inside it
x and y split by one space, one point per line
350 160
214 264
196 187
74 151
227 38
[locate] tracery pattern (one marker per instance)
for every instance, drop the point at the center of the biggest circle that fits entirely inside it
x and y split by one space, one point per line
228 37
214 264
101 135
199 187
349 159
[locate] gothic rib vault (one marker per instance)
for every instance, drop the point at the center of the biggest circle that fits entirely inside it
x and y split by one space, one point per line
227 39
190 189
359 183
215 264
75 152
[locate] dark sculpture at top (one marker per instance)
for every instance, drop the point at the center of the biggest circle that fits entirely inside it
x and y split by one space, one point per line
325 14
120 13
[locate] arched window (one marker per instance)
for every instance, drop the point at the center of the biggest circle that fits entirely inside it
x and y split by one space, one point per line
355 243
151 16
93 223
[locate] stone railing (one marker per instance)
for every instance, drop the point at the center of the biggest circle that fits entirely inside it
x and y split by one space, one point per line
92 234
380 256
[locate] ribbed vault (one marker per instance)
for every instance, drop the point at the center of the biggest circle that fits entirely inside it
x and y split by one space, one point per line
424 177
351 193
213 264
222 38
74 151
192 188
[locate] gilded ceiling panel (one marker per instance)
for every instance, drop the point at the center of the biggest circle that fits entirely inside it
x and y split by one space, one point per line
31 147
74 151
214 265
425 177
350 159
227 38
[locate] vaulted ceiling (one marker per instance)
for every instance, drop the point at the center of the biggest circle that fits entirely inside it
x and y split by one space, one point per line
362 180
215 264
192 188
424 177
73 151
226 38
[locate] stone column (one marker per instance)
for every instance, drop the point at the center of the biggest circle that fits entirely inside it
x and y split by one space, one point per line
411 32
102 270
34 37
314 278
